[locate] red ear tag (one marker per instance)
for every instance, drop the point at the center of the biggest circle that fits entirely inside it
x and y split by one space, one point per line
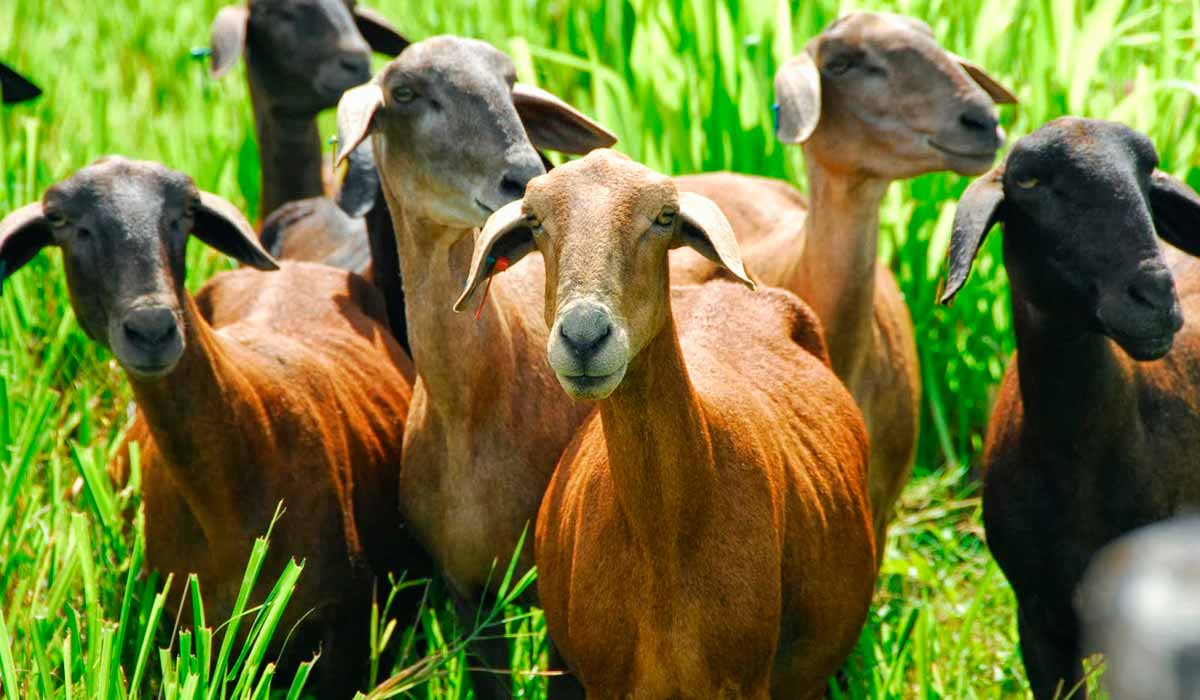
499 264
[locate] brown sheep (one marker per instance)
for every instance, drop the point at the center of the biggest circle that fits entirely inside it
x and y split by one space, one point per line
872 99
298 396
488 421
1096 425
707 534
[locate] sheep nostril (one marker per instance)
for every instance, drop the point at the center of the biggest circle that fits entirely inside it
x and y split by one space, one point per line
512 188
977 122
355 65
585 331
149 328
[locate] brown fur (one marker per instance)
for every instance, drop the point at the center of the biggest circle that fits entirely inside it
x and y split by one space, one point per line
257 412
826 252
707 532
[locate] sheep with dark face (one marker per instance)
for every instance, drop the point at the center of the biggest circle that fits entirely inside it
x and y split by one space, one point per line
294 392
15 87
1095 427
301 55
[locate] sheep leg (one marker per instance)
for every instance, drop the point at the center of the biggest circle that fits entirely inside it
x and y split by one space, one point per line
1050 660
493 680
344 648
564 686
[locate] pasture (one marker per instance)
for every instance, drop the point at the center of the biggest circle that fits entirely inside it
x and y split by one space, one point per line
687 87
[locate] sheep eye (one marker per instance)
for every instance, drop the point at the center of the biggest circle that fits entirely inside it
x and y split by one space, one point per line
666 217
535 226
1027 183
55 219
838 66
403 94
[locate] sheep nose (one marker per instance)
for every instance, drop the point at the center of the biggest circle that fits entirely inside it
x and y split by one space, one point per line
584 328
357 65
148 327
979 120
1154 289
514 182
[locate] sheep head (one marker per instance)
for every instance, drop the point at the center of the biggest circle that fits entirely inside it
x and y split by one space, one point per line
302 54
453 132
1083 205
874 95
123 227
604 225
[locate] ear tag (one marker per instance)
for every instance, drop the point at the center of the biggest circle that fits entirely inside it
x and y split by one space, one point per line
495 265
775 117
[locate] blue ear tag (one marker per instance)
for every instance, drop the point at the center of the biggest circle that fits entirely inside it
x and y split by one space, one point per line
200 53
775 116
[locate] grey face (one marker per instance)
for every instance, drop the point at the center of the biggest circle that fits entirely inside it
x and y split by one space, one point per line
1083 207
453 142
123 233
306 53
123 227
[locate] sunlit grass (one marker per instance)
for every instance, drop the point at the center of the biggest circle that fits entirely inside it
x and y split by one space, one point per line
687 86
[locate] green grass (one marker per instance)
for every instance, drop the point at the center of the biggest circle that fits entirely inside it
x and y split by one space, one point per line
687 86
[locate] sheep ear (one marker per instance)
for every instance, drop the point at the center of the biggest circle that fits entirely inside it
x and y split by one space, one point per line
978 210
219 224
556 125
704 228
356 182
1176 211
507 234
797 99
999 94
22 234
379 32
14 87
228 38
356 117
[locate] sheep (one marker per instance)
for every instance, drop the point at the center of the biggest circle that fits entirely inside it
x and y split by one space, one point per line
871 100
15 88
301 55
487 422
707 533
298 395
1138 605
1095 425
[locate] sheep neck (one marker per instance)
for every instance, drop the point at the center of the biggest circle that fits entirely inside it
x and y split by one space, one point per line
456 356
835 270
1077 387
659 448
289 147
190 413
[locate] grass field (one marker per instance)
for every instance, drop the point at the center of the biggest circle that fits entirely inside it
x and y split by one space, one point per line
686 84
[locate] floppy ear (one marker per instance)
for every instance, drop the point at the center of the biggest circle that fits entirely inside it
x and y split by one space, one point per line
228 38
219 224
704 228
978 210
999 94
379 33
14 87
22 234
356 117
1176 211
556 125
797 99
356 182
507 234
